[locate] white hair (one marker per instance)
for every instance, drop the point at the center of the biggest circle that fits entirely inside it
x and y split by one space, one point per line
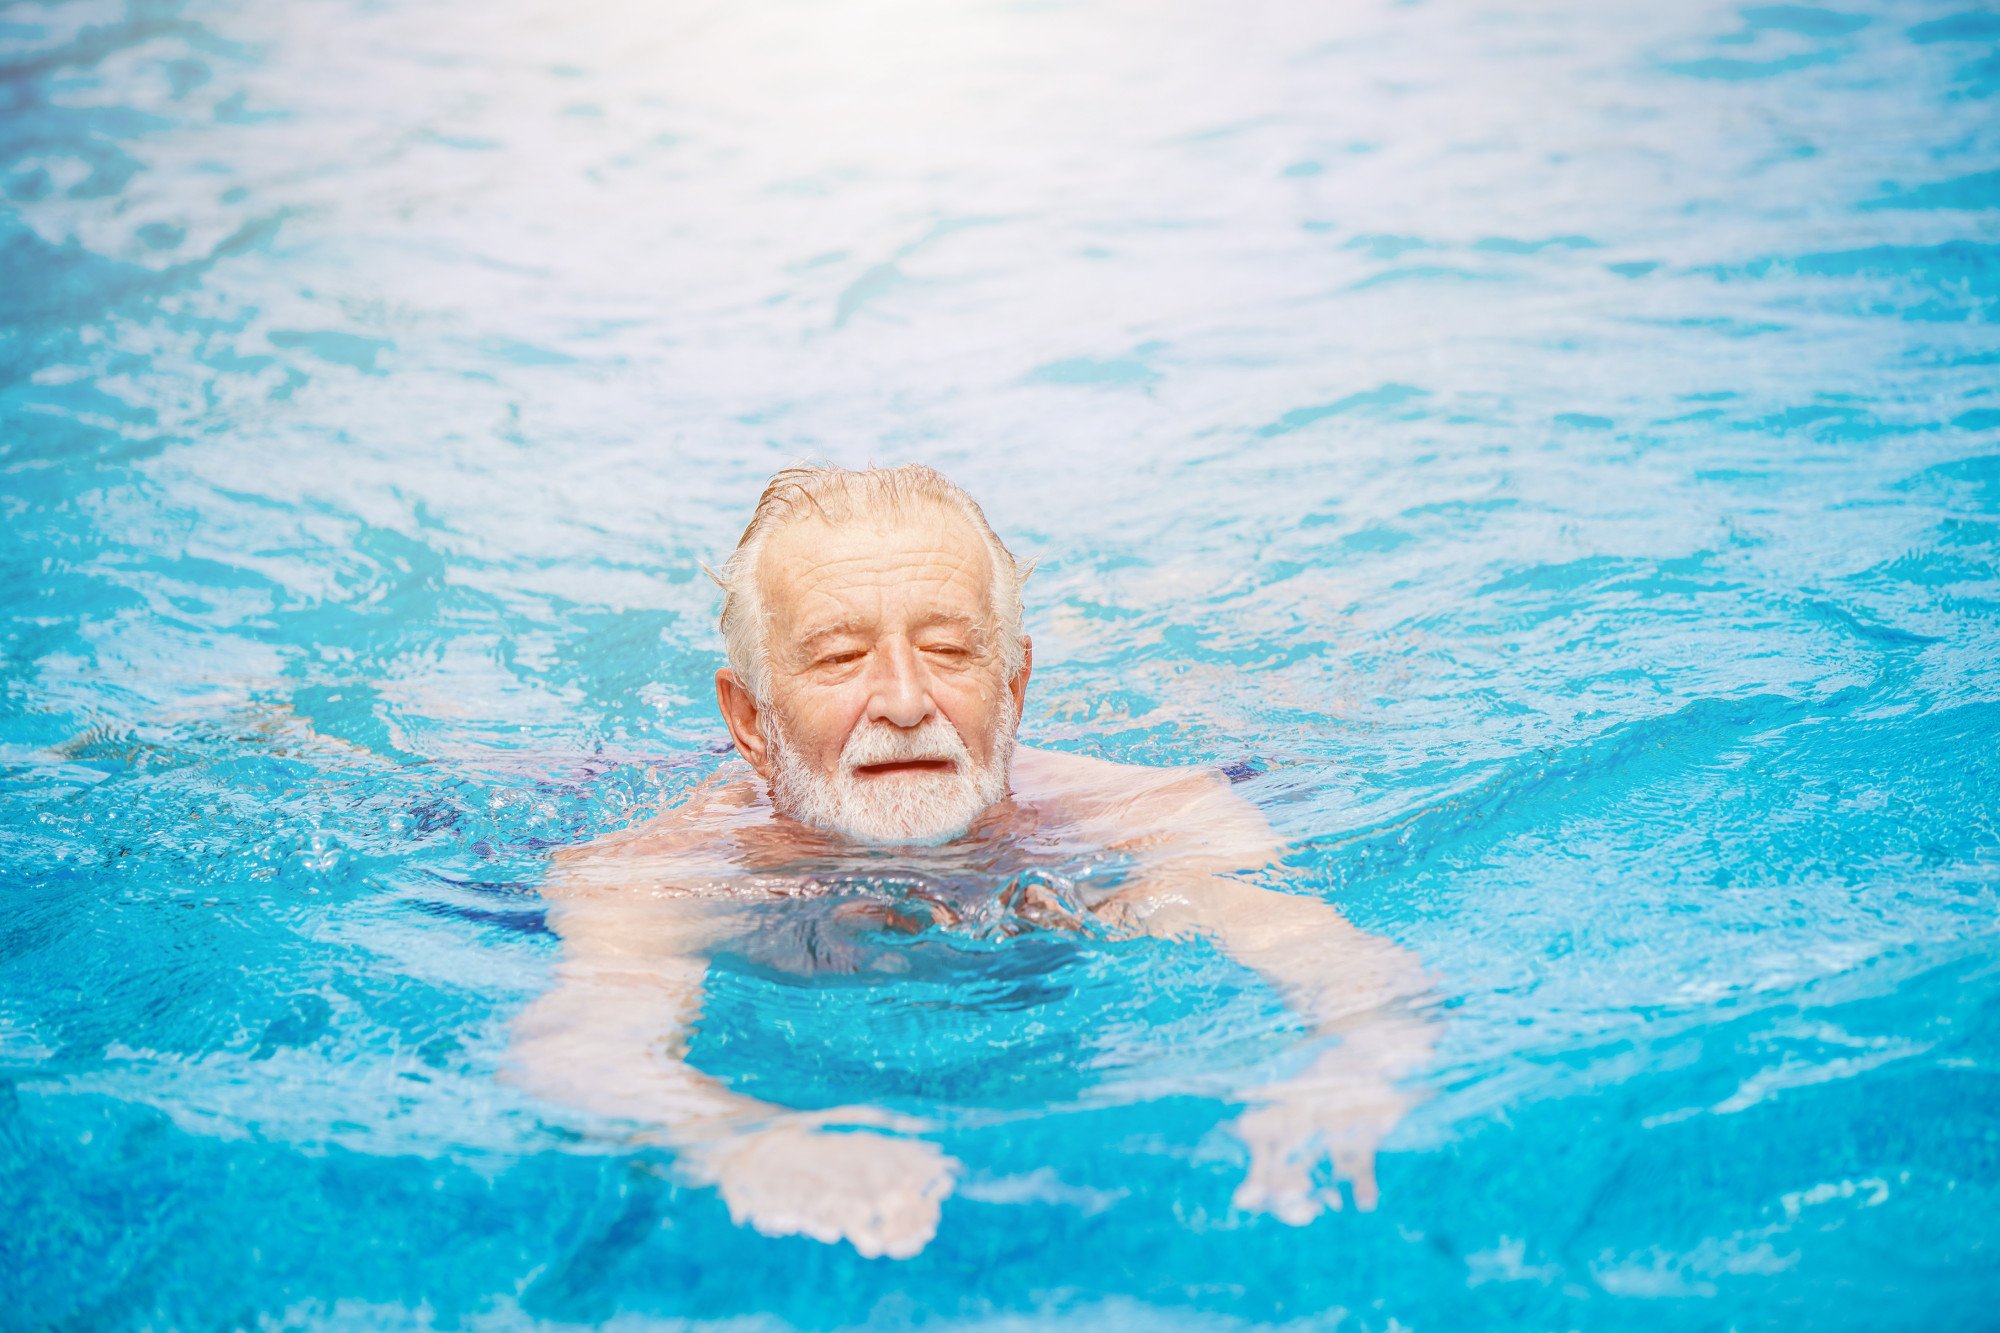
839 495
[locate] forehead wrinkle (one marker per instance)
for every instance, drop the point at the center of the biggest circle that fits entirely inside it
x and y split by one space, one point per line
814 630
834 594
956 557
791 574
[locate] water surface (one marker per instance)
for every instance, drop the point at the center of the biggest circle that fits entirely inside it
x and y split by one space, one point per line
1553 449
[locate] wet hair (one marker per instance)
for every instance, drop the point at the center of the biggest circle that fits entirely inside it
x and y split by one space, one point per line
841 495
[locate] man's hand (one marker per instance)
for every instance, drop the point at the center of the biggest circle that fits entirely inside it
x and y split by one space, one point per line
1354 989
879 1192
1320 1117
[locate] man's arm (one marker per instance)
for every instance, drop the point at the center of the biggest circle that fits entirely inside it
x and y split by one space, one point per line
1356 991
611 1037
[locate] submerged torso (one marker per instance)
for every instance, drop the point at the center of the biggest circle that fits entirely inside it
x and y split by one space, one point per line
997 970
814 1002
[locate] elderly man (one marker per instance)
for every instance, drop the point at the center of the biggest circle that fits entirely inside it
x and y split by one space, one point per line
877 671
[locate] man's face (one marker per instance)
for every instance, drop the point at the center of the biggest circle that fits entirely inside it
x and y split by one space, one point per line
889 717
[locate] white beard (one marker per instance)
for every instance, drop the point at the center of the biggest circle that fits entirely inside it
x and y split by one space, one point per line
925 807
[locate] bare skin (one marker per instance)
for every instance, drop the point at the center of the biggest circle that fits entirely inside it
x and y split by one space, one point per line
891 624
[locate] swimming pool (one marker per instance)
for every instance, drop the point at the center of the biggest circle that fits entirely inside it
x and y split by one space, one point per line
1552 450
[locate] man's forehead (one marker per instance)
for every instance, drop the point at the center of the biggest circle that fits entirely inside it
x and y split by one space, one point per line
925 560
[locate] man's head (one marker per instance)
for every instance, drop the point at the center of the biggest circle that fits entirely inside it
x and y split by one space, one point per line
876 660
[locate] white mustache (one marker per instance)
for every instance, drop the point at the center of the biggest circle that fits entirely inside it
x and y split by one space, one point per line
925 809
881 743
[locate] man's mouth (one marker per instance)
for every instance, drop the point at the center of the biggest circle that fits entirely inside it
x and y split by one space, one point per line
904 766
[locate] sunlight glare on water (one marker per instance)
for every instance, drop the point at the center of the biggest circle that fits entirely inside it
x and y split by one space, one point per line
1551 452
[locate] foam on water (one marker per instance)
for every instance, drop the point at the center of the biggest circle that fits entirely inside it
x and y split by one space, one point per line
1551 452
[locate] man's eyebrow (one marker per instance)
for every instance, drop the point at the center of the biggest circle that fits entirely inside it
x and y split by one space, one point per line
816 635
947 619
819 634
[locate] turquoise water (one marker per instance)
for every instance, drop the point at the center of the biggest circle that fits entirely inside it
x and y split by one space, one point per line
1552 450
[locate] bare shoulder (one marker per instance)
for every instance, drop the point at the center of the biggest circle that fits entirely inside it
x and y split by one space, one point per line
686 833
1170 810
1042 773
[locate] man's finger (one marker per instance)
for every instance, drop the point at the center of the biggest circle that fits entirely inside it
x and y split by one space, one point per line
1295 1207
1358 1166
1279 1188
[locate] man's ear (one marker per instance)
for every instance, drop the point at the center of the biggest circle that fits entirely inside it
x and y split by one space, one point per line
741 714
1018 686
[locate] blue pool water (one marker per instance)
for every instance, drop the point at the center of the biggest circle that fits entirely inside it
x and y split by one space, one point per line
1552 449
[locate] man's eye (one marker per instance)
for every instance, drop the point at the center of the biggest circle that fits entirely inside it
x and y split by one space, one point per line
944 650
839 659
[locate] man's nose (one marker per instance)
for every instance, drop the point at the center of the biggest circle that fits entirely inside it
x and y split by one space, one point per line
901 692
